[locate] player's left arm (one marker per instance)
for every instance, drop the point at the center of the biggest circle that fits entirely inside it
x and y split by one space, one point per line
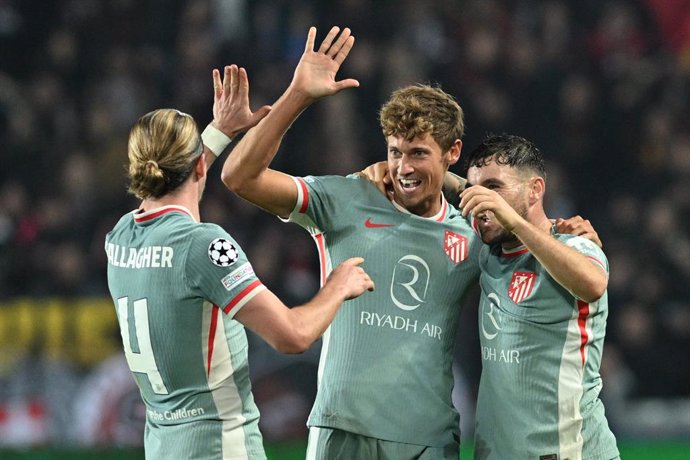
231 112
571 269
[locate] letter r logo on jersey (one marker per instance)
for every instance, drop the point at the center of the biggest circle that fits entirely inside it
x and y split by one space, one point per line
410 282
521 286
455 246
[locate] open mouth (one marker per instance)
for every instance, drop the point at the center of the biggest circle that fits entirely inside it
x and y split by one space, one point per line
409 184
484 219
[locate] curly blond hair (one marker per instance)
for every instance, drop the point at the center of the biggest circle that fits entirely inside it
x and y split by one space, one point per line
423 109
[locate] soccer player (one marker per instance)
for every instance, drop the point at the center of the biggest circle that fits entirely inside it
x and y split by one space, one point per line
542 316
183 289
385 373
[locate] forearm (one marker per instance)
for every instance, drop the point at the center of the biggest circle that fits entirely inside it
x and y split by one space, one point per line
291 330
568 267
312 319
254 153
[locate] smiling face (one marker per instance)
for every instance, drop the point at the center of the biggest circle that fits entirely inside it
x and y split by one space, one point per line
512 186
417 168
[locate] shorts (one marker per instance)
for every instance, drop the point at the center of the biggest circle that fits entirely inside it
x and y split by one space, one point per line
332 444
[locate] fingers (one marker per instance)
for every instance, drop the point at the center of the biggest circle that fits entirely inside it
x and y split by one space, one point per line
370 284
355 278
580 227
476 199
243 86
230 81
326 43
235 83
347 83
338 50
344 49
311 36
260 114
235 80
338 45
354 261
217 84
574 225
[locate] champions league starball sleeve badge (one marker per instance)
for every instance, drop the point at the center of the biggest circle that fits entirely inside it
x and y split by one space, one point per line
222 252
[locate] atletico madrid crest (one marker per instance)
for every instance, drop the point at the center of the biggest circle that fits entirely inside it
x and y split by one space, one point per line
455 246
521 286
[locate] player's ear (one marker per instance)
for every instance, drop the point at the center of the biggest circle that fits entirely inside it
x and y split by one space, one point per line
537 187
453 154
200 167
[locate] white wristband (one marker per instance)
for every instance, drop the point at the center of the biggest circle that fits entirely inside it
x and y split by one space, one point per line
215 139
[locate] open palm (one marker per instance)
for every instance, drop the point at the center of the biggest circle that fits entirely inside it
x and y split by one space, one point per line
316 71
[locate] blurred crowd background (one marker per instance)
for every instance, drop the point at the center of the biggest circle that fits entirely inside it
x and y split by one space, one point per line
601 86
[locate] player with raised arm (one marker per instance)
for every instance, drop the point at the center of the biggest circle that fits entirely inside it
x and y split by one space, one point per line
385 373
542 318
184 290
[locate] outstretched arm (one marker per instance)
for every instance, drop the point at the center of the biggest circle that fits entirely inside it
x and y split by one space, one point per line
231 112
246 171
570 268
293 330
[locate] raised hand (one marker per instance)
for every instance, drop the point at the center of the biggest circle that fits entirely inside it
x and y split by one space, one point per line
231 112
316 70
351 277
478 200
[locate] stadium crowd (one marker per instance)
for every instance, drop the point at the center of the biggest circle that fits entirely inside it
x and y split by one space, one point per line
602 87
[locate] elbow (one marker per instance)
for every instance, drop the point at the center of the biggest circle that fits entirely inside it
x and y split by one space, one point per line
595 289
233 176
293 343
238 184
231 180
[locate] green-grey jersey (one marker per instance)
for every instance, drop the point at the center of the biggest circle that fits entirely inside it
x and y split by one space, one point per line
541 351
177 285
385 367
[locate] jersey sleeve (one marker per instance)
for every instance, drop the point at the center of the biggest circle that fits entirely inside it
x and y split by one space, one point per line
218 270
319 198
587 248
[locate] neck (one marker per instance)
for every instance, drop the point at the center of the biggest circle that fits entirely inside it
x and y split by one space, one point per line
427 208
541 220
184 197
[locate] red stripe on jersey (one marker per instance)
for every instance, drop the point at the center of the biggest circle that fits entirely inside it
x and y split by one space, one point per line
212 337
443 211
583 312
321 247
514 254
241 296
305 195
475 225
165 210
597 261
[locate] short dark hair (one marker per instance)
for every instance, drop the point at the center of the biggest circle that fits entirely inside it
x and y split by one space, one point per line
507 149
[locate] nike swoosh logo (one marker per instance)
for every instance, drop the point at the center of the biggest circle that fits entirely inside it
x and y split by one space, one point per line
369 224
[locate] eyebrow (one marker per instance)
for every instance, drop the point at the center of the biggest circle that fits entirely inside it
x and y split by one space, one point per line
493 182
